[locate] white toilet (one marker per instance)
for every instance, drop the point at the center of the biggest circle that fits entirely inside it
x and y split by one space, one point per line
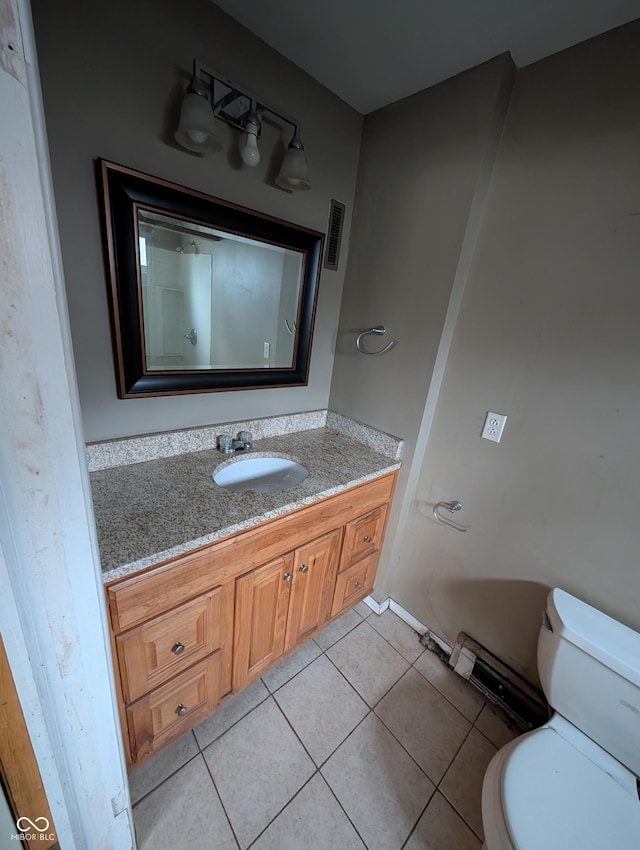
572 784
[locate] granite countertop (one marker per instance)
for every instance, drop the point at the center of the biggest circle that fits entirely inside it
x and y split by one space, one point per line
151 511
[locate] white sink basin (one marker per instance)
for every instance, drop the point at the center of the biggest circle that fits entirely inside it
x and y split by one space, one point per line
260 475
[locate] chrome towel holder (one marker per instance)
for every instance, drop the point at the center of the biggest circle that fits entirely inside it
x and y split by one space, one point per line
452 507
379 330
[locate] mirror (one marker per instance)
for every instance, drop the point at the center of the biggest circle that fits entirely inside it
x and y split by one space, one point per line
205 295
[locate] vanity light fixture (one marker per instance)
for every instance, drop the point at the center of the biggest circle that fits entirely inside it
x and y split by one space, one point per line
243 111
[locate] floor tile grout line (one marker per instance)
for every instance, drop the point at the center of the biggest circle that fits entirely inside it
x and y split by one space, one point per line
369 706
455 755
280 811
460 815
486 737
166 779
219 796
337 747
423 649
317 770
289 724
420 816
346 814
433 784
346 738
341 636
395 737
443 695
386 641
235 723
293 676
366 704
451 802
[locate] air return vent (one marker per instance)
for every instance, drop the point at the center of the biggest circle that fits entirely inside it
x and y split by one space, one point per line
334 235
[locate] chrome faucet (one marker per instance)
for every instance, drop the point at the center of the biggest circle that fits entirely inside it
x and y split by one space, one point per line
244 441
228 445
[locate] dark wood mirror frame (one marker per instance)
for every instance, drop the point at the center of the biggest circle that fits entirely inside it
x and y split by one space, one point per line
124 191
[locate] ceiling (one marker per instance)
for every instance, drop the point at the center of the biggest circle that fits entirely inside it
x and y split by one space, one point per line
373 52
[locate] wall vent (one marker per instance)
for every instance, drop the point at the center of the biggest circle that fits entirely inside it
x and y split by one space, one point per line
498 682
334 235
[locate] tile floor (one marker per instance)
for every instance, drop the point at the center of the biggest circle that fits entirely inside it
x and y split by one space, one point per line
360 739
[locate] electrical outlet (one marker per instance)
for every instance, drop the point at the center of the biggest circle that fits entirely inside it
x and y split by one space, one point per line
493 426
267 347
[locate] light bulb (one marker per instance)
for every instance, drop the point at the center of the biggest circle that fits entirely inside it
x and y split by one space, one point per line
250 153
197 136
294 174
196 131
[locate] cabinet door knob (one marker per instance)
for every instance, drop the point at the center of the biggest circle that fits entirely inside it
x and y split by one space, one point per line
358 585
288 577
304 568
181 710
177 648
367 539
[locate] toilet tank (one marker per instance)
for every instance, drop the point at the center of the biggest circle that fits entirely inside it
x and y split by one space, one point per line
589 666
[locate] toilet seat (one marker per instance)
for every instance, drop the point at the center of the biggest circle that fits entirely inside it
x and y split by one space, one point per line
541 791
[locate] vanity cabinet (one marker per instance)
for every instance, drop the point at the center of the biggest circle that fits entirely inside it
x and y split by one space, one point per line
190 631
280 604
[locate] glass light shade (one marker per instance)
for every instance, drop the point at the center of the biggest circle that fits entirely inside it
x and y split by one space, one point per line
196 131
294 171
250 153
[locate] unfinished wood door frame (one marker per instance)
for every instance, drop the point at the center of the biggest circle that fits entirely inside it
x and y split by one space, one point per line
18 767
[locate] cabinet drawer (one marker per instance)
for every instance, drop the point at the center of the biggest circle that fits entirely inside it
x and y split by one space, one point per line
354 583
363 536
175 708
143 596
153 653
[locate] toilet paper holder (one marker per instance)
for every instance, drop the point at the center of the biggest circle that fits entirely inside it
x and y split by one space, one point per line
452 507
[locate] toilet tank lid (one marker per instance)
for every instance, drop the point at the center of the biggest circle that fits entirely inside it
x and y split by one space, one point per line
602 637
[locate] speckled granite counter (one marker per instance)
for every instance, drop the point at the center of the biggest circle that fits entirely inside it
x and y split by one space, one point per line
148 512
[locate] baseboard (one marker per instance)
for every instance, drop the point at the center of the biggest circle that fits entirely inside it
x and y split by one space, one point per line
409 619
377 608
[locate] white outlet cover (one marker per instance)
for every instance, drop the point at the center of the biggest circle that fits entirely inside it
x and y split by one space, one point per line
493 426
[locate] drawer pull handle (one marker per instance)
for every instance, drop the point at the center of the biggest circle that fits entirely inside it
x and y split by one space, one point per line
358 585
177 648
288 577
304 568
367 539
181 710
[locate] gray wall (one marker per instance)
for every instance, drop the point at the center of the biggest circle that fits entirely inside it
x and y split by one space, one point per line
549 334
112 78
548 328
422 164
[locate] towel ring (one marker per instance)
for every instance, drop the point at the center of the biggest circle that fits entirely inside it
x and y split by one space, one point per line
380 330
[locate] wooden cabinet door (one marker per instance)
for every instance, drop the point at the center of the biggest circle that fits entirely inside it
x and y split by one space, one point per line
262 601
314 577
